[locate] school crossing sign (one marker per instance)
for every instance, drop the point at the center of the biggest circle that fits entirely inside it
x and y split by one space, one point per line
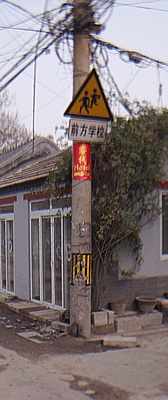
90 100
89 111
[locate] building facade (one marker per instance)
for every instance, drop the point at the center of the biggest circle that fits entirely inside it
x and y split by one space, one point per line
35 236
35 229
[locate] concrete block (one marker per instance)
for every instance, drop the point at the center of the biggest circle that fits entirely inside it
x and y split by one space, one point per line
120 341
60 326
128 324
165 311
54 324
152 319
32 336
63 327
110 317
99 318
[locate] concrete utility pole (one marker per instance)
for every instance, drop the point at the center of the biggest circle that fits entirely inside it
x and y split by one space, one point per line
81 60
80 291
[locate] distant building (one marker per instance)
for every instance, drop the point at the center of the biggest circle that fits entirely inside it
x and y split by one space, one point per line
35 230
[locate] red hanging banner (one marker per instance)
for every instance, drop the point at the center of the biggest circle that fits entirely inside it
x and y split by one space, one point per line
82 161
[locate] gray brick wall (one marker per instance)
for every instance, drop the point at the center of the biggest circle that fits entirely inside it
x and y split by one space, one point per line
129 289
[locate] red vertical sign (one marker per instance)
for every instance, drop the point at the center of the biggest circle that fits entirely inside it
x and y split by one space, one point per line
82 161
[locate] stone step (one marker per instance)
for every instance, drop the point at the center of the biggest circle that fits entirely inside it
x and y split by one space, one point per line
154 330
152 319
118 341
61 326
127 324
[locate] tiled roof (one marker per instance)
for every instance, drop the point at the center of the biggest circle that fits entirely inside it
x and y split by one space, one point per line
28 166
26 154
32 172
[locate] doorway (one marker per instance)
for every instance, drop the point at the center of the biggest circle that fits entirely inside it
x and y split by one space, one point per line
6 251
51 257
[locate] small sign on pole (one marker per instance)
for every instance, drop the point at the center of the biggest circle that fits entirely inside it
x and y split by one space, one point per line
87 130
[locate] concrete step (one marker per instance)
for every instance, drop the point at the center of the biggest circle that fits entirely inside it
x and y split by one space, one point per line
104 321
118 341
155 330
139 322
60 326
44 316
36 312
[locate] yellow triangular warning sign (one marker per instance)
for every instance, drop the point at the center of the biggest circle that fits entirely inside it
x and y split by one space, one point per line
90 100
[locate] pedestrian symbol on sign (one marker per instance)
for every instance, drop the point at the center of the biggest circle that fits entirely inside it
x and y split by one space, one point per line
89 101
85 102
94 97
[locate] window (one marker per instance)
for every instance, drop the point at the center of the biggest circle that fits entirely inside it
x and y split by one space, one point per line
49 204
7 209
40 205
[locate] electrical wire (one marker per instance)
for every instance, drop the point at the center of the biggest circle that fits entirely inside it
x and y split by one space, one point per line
40 52
30 51
141 7
135 57
57 29
60 30
24 57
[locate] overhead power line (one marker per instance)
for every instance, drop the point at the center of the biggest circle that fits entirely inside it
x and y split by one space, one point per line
141 7
45 42
57 28
133 56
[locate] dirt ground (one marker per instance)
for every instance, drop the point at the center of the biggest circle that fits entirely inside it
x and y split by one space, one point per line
68 368
53 342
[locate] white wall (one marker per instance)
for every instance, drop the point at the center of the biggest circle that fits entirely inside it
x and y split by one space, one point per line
152 265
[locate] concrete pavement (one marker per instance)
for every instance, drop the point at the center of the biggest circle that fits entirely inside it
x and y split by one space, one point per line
128 374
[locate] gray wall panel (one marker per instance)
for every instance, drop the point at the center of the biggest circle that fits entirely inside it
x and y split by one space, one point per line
21 240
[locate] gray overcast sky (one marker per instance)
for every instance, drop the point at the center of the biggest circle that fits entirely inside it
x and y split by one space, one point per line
140 26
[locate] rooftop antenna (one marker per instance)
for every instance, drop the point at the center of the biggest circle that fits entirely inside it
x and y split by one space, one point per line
35 71
160 98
